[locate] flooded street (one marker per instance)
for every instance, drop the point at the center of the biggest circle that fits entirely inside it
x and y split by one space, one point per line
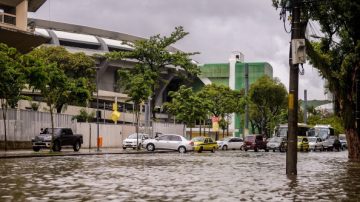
223 176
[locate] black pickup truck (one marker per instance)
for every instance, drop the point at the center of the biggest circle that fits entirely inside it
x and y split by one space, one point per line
62 137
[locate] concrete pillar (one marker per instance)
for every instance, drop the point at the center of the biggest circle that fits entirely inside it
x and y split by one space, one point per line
21 15
235 57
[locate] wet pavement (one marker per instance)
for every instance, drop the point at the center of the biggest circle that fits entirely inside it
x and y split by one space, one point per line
222 176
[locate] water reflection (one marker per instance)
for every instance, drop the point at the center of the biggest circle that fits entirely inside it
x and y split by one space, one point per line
223 176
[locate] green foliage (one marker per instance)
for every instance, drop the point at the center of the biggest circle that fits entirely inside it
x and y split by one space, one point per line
335 121
12 81
337 54
12 77
153 56
187 106
77 67
222 100
84 116
267 101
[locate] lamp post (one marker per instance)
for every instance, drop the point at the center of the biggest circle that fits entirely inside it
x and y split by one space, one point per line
97 109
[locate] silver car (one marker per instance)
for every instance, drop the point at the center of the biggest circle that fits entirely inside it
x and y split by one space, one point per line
316 143
231 143
169 142
131 141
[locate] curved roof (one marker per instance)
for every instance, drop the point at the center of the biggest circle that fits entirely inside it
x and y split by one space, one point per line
91 38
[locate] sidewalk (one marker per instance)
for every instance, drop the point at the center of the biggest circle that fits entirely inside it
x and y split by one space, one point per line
70 152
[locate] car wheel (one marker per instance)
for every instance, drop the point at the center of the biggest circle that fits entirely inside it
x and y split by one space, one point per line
322 148
182 149
266 150
134 148
245 149
242 148
224 147
36 149
273 150
213 150
255 149
77 146
124 148
150 147
200 149
139 147
56 146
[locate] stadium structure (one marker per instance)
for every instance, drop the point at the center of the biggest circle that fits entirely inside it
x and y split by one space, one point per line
25 34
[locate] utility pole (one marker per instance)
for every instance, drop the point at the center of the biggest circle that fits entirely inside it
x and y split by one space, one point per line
246 130
305 106
291 155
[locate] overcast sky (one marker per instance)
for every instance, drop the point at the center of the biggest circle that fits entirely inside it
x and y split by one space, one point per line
216 27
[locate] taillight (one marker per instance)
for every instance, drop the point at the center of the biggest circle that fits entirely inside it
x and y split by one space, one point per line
191 143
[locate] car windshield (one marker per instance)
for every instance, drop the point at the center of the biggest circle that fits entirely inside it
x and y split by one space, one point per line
281 132
250 138
312 139
133 136
198 139
342 138
275 139
49 131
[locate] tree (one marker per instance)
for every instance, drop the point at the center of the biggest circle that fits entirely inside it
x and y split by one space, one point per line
12 81
336 55
333 120
267 99
77 67
187 106
54 85
138 85
84 116
154 55
222 101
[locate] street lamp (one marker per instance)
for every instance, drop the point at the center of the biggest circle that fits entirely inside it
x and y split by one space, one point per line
97 108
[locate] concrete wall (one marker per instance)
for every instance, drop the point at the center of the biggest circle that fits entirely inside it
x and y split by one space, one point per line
23 125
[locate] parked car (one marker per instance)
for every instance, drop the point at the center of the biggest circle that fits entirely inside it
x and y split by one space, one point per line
204 144
231 143
168 142
132 140
343 141
303 143
332 143
255 142
62 137
315 143
276 143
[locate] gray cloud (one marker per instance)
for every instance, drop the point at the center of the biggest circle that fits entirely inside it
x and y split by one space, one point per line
216 27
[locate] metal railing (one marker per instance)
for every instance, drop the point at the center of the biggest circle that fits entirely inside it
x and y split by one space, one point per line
7 18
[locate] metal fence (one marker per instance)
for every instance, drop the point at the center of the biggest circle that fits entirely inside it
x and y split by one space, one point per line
22 125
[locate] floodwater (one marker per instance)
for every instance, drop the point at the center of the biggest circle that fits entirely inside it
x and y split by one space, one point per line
222 176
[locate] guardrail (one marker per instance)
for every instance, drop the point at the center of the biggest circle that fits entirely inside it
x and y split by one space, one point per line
7 18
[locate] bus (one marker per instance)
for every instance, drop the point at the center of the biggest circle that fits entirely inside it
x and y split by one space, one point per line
322 131
282 130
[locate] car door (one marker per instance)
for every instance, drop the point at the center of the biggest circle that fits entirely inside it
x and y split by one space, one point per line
162 142
231 143
319 143
66 136
236 143
175 142
206 144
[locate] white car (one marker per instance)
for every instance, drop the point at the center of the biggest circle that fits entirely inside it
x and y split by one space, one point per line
315 143
131 141
231 143
169 142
